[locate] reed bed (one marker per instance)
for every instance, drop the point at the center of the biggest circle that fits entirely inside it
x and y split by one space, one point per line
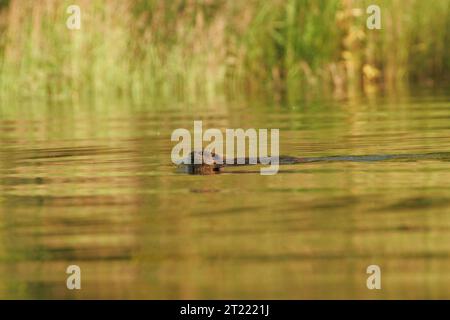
190 50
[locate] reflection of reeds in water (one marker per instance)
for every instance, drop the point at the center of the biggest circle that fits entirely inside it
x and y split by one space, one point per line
192 49
65 204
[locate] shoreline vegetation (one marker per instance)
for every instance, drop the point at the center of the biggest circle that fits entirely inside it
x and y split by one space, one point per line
190 50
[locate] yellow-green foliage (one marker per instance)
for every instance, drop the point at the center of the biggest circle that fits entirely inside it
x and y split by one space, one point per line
188 49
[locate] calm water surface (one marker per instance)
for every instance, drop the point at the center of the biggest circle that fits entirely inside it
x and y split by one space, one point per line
94 186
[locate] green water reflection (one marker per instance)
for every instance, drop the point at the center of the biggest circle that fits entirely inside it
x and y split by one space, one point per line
94 186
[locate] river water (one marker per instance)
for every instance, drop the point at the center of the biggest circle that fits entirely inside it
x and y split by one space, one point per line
93 185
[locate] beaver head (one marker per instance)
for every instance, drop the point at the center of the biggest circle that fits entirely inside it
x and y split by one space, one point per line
202 162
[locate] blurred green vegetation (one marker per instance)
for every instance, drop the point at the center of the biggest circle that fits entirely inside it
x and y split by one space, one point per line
188 49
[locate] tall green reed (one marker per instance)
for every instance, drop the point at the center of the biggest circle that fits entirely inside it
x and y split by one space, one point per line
191 50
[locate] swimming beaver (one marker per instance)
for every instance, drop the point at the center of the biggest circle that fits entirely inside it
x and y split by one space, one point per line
202 162
210 162
205 162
